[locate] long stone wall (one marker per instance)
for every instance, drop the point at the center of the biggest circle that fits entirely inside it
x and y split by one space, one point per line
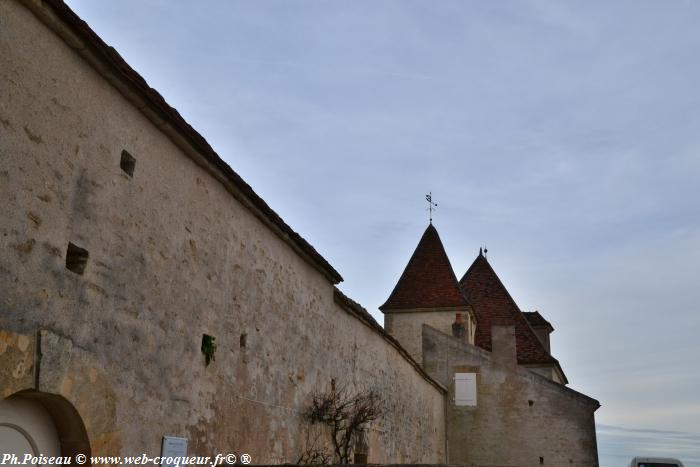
169 255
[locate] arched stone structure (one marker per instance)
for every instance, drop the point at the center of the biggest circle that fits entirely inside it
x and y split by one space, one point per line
37 423
59 386
27 428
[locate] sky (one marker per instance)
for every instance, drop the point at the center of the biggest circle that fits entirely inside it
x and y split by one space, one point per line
562 135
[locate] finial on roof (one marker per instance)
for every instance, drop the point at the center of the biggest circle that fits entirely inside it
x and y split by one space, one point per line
486 250
481 251
431 205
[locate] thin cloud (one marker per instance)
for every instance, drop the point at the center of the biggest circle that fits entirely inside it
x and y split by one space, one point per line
615 442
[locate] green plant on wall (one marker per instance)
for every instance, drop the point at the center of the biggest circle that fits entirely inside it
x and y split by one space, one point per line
208 348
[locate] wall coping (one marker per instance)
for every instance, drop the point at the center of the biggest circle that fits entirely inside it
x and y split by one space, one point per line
358 311
113 68
521 370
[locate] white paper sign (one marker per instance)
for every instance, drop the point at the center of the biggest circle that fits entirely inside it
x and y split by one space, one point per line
173 448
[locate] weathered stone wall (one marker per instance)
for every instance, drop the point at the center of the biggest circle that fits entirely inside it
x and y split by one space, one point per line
47 363
520 416
172 256
406 327
547 372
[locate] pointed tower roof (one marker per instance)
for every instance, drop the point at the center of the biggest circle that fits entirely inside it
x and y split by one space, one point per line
428 280
493 306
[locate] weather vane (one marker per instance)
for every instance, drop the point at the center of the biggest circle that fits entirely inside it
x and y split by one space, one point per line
431 205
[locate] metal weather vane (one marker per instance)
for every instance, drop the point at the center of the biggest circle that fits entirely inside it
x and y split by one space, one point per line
431 205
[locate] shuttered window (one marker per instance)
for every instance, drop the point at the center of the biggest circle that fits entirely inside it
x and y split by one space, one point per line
465 389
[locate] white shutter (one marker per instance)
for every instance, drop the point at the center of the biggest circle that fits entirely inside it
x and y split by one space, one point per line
465 389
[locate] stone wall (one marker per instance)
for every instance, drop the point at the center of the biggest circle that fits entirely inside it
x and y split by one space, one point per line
546 371
407 326
521 418
171 255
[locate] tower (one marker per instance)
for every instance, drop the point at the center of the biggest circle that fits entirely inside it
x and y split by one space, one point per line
427 293
494 306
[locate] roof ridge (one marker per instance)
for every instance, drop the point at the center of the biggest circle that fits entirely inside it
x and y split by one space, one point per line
132 85
535 318
428 279
471 266
541 355
362 314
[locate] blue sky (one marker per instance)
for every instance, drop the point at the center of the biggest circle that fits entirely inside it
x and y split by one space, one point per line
561 135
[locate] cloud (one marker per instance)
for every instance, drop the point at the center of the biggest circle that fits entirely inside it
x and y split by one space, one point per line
618 445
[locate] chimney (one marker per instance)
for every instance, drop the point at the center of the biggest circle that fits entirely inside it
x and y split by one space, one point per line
503 351
458 329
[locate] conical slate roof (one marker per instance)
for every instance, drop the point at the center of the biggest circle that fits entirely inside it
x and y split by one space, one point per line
493 306
428 280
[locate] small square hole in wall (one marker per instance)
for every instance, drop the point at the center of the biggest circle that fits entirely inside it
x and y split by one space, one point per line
541 460
127 163
243 341
208 348
76 259
530 403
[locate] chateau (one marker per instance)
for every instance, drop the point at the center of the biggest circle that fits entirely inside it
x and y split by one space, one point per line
507 403
147 292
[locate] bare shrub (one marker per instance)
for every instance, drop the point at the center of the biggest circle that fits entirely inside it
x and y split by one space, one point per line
346 413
